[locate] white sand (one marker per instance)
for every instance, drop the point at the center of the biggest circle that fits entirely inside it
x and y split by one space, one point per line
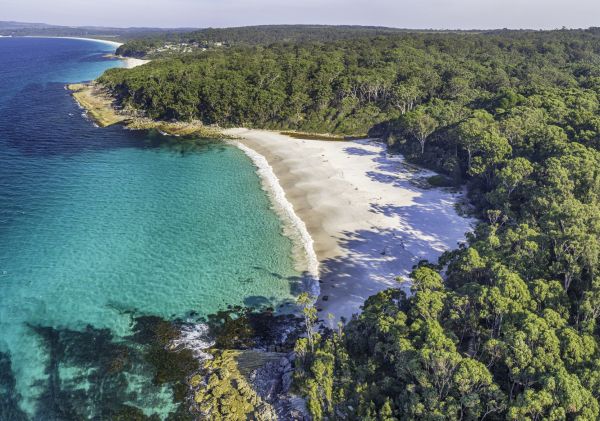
102 41
369 220
130 62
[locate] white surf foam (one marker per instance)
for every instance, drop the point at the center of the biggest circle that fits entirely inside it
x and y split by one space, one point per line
195 337
294 227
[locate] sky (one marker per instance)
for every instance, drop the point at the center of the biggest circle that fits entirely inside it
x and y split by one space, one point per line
416 14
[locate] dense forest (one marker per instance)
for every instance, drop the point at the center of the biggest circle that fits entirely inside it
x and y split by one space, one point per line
505 327
248 35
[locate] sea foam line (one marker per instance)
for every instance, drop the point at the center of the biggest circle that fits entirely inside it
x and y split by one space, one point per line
285 211
195 337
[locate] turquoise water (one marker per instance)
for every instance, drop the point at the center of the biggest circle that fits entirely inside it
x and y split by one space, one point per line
98 226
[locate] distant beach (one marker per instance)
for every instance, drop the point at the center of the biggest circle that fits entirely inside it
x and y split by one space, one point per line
129 61
103 41
371 216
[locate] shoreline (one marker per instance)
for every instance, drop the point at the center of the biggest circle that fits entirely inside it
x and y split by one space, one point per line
130 62
99 106
293 226
369 218
102 41
363 218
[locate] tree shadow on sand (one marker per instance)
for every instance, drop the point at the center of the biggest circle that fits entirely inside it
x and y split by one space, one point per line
360 151
378 259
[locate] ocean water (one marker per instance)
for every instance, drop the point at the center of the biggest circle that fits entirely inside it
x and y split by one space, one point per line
100 226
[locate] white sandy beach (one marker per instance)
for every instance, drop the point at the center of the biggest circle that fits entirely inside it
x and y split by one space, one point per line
369 220
129 62
102 41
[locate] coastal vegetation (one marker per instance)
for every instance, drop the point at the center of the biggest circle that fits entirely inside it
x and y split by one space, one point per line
99 106
510 330
170 44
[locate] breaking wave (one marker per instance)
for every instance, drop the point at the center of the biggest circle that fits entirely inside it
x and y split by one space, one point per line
196 338
293 226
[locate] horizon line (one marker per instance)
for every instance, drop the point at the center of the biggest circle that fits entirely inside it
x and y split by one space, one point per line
198 28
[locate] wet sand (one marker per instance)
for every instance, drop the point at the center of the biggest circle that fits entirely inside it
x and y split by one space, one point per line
368 213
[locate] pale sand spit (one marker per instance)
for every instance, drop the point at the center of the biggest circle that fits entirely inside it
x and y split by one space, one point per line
370 220
130 63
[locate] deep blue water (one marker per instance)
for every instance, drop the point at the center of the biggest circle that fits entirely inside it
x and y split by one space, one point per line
100 226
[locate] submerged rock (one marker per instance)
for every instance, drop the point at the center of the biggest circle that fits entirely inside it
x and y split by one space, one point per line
245 328
9 399
162 369
93 375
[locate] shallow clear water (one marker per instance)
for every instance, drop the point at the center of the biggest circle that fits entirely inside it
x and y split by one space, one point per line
100 225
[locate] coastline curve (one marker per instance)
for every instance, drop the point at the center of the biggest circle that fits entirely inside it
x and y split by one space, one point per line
114 44
293 226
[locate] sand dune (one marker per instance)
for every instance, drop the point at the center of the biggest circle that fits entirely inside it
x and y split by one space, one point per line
369 218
